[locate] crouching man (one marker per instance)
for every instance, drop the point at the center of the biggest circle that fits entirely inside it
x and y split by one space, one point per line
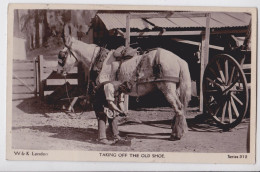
108 105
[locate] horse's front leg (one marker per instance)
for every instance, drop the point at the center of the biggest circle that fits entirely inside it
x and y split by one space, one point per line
179 124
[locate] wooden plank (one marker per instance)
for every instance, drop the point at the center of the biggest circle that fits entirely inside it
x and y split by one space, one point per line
27 81
55 75
37 74
127 35
48 92
197 43
120 33
35 77
22 85
53 87
20 70
181 33
22 61
61 81
48 70
54 69
231 31
23 92
167 33
246 66
21 89
24 77
249 86
166 15
22 66
50 63
24 74
40 76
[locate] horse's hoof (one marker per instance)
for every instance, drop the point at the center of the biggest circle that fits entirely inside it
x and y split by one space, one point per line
174 138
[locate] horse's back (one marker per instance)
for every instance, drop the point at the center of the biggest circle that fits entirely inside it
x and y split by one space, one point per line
169 61
142 65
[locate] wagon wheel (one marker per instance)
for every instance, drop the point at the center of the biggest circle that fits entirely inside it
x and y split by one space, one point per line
225 91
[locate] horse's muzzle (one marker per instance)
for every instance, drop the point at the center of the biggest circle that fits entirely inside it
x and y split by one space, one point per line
62 58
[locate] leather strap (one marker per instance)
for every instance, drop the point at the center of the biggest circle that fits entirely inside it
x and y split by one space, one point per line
154 79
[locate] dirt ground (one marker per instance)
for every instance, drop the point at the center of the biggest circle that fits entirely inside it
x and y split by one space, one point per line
39 126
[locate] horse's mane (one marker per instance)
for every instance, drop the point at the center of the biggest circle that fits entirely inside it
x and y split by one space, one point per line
81 43
84 50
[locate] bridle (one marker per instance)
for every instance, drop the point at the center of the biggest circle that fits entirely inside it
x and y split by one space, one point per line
62 60
91 65
69 50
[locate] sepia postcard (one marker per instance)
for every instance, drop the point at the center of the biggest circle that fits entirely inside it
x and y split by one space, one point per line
131 83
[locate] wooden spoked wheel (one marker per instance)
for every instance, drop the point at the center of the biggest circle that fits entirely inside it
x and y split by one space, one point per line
225 91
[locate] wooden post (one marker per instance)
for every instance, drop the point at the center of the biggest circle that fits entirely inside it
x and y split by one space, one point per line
204 57
127 44
247 40
40 76
35 76
127 35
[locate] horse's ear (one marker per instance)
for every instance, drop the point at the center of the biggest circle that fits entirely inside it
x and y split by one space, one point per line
67 30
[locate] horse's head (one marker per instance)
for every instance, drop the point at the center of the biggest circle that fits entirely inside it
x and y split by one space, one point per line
75 51
66 60
66 57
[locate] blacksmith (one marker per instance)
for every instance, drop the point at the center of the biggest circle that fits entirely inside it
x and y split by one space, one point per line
108 105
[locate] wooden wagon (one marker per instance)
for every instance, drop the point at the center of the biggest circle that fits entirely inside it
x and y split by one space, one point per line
224 81
226 85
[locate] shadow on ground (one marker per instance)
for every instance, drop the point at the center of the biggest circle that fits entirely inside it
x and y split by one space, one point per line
67 133
35 106
200 123
137 135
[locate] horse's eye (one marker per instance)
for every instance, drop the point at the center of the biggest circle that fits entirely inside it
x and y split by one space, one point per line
61 55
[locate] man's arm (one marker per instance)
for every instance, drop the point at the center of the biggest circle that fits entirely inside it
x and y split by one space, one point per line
112 105
109 92
121 105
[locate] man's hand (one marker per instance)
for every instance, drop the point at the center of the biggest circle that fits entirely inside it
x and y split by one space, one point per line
112 106
123 114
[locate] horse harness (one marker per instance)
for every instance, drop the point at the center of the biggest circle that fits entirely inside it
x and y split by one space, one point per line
96 67
63 57
97 64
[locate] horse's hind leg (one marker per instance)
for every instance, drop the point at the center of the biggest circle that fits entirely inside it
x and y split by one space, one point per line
179 124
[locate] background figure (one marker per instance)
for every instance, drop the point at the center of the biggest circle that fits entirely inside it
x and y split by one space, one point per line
80 34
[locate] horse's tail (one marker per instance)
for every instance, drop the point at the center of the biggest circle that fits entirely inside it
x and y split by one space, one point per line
185 84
